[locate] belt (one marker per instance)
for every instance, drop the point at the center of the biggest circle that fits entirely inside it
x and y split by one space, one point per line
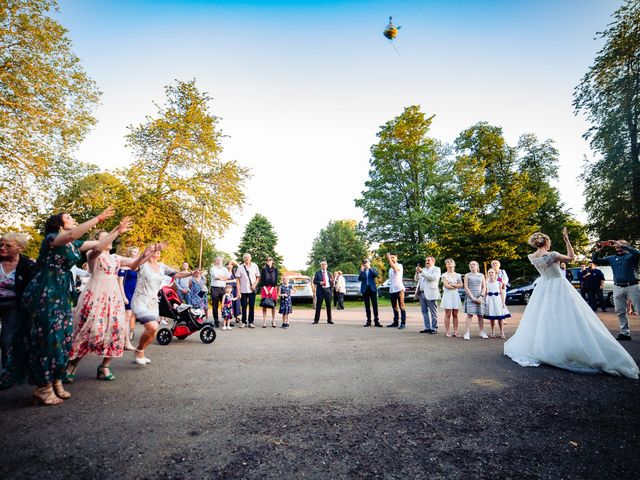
493 294
635 282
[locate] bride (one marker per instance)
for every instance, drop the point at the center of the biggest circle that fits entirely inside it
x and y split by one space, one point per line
558 327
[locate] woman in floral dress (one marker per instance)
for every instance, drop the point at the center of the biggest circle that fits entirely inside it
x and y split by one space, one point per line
99 319
41 347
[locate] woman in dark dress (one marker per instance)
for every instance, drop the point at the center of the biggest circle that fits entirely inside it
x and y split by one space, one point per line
237 308
42 343
269 281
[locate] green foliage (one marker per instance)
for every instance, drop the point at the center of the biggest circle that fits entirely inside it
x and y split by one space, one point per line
609 95
46 101
259 240
341 244
404 193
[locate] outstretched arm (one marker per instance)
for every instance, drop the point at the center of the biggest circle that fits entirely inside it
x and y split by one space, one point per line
77 232
570 256
103 244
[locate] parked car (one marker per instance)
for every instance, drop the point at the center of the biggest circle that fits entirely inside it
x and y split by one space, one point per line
410 289
304 289
352 286
607 291
521 290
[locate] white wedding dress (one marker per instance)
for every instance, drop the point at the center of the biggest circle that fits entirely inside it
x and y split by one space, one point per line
559 328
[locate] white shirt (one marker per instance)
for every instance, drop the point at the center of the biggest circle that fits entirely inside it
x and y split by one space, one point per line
247 280
341 285
220 271
395 279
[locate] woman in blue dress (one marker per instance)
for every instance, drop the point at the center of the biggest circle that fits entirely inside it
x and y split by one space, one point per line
41 348
128 279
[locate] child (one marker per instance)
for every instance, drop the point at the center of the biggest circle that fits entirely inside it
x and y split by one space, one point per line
227 306
285 301
494 302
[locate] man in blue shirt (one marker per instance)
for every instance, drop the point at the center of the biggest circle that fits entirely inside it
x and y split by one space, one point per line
624 265
594 280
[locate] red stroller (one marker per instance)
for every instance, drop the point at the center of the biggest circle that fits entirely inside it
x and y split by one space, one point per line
186 320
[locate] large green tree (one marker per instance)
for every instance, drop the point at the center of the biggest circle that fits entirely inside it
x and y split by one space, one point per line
178 160
341 244
46 102
259 240
609 96
403 195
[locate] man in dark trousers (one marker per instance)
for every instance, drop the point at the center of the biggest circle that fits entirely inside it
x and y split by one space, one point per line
595 284
369 291
323 280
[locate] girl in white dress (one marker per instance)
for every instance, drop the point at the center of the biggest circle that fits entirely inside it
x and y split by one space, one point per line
559 328
503 280
494 303
451 281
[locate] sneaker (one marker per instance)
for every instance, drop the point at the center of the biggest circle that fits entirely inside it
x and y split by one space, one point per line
242 325
164 322
467 336
251 325
483 334
622 337
402 326
224 328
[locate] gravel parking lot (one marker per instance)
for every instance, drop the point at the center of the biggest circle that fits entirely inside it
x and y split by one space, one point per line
329 401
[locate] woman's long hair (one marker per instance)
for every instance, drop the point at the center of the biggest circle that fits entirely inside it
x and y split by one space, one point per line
54 223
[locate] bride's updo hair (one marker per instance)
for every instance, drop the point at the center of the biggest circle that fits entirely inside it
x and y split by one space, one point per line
538 239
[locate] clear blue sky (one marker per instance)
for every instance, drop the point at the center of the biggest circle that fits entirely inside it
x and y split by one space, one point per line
302 87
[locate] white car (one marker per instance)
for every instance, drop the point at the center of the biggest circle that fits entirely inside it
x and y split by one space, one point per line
303 286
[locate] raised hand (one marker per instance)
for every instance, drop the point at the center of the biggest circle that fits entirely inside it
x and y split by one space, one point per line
125 225
106 213
565 234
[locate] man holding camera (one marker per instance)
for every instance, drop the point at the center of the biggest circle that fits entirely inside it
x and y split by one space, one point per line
369 291
624 265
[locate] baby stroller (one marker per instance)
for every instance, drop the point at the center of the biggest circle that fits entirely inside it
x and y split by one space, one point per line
186 320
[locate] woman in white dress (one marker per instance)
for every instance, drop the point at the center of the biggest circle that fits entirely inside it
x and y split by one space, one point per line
559 328
451 281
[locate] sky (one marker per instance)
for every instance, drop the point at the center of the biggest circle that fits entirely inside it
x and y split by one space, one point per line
302 88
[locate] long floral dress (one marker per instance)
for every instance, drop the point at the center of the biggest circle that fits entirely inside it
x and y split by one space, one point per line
42 344
98 321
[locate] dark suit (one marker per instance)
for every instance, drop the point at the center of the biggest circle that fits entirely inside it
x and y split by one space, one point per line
369 292
323 292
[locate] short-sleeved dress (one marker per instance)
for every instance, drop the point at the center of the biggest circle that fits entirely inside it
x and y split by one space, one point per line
503 280
286 306
474 283
227 307
130 278
43 340
145 299
98 321
451 298
493 302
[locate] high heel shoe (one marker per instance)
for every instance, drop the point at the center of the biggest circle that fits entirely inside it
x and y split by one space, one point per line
70 376
102 376
59 390
45 396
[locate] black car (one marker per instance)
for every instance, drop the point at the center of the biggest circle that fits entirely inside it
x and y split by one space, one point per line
521 289
410 289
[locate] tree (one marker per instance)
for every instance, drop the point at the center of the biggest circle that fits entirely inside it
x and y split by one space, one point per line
403 195
259 240
177 160
489 213
609 95
46 100
341 244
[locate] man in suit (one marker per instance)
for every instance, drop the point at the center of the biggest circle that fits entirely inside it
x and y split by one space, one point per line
369 291
323 280
428 279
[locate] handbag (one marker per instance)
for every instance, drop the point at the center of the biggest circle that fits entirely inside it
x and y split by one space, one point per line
268 302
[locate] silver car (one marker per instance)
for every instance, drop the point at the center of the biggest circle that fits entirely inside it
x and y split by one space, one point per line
304 289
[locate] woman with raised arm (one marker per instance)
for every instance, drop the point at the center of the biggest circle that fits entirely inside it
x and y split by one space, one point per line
42 343
99 322
559 328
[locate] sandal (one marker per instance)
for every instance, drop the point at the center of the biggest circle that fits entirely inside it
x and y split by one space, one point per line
100 375
502 335
448 334
70 376
493 335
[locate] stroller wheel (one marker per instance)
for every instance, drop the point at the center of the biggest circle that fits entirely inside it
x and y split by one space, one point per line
164 336
207 334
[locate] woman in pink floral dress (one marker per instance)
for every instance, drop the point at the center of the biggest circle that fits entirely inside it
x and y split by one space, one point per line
99 321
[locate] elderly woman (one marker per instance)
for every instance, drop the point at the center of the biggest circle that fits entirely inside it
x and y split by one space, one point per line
16 271
144 304
43 340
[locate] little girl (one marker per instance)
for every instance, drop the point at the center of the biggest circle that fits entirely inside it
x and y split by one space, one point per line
285 301
227 306
494 302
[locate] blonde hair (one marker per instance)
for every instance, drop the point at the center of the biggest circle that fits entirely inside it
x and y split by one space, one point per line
450 260
538 240
20 238
131 249
96 234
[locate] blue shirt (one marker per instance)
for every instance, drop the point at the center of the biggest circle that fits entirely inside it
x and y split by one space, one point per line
624 267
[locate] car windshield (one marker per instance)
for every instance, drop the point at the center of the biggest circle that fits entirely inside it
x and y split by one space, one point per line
409 283
299 281
351 278
522 281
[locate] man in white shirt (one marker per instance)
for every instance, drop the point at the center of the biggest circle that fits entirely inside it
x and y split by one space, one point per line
219 276
428 279
396 291
247 278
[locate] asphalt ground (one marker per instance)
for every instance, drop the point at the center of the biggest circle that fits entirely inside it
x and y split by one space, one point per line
329 401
